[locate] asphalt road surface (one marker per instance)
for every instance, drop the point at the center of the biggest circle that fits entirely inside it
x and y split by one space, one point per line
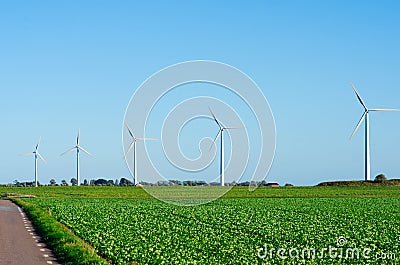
19 243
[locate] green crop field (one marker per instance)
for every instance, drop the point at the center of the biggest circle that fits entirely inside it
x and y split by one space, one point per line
236 192
354 225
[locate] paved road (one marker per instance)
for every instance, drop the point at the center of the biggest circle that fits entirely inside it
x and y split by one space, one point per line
19 243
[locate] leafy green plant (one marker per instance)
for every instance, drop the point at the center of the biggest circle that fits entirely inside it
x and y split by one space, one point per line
228 231
68 248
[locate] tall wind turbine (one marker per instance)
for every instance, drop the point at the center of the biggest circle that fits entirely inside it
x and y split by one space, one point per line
133 146
222 161
365 117
77 147
36 154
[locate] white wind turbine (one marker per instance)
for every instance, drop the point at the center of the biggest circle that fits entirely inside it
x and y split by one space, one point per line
367 146
77 147
36 154
133 146
222 161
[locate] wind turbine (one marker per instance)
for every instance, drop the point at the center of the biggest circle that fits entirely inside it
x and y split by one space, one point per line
133 146
221 132
36 154
365 117
77 147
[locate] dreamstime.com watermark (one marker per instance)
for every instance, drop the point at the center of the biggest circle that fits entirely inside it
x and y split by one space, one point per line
180 96
340 251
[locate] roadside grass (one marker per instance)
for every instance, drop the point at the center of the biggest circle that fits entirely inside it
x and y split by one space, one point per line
68 248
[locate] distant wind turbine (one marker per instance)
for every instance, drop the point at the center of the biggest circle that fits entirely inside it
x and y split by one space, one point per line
133 146
36 154
221 132
366 118
77 147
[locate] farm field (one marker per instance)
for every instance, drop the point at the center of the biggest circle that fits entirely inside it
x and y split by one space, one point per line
236 192
125 225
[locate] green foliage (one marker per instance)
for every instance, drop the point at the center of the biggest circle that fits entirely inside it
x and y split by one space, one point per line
380 178
235 192
68 248
381 181
126 225
74 182
228 231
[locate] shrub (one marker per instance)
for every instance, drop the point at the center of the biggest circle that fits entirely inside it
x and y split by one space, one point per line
380 178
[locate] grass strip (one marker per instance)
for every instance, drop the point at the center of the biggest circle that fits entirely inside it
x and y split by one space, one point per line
68 248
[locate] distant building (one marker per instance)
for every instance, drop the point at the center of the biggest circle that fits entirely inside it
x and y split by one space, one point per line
273 184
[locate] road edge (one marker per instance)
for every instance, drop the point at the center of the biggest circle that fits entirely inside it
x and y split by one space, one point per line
67 247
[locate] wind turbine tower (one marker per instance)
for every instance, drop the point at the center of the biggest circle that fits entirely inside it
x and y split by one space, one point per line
77 147
133 146
222 152
37 155
365 117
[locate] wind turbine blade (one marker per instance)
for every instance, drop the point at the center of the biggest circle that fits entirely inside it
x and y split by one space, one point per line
129 130
77 138
41 157
81 148
69 150
27 154
37 145
215 139
146 139
215 119
358 124
359 97
384 110
234 127
130 148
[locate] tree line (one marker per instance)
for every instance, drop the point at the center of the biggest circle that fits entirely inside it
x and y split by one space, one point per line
126 182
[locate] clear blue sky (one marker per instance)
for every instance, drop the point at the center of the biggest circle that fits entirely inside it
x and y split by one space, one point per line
66 65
